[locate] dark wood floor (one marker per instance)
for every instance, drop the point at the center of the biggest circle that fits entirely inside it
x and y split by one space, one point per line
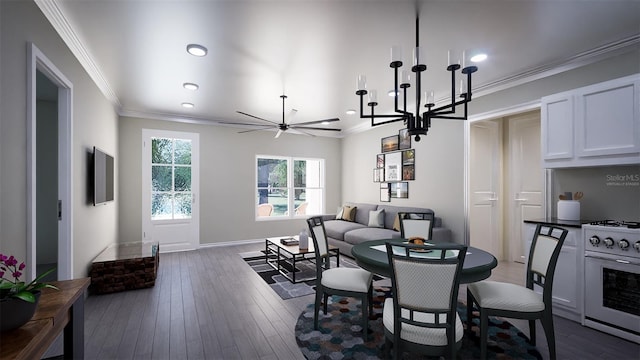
208 304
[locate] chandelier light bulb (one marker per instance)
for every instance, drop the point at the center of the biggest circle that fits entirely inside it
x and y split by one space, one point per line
361 83
373 96
396 53
418 56
406 78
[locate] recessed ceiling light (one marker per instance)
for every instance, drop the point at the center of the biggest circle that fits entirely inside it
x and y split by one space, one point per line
479 58
187 105
350 112
392 93
190 86
196 50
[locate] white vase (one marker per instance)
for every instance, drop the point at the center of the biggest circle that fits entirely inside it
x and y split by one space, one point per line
303 240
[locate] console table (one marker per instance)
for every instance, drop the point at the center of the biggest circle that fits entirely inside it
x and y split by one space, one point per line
125 266
57 310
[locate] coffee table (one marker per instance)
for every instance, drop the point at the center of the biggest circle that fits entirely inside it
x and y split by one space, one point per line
284 258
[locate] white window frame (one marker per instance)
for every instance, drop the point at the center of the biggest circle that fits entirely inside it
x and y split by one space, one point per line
290 186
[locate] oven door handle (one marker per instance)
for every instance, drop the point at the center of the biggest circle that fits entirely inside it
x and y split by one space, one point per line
612 258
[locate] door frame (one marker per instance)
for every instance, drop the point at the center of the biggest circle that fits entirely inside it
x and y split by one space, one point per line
490 115
37 61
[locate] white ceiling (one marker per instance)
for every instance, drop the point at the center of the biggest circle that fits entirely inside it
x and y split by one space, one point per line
314 50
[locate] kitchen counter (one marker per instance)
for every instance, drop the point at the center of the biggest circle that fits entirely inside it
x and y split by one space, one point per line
559 222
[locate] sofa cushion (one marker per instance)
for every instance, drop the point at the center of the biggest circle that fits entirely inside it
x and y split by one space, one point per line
362 215
336 229
358 236
376 218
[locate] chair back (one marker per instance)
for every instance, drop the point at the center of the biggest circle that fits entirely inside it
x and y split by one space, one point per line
265 209
543 257
416 224
320 244
425 281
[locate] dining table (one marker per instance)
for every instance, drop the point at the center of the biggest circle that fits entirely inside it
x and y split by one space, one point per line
372 256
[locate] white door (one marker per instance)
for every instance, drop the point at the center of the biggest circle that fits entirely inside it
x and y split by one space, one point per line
170 187
485 157
526 180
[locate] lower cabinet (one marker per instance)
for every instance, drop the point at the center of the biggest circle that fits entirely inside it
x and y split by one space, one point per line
568 278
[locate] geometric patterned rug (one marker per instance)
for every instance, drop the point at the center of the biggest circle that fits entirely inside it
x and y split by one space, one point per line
339 334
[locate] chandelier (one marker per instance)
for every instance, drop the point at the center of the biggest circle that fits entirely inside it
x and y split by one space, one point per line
417 124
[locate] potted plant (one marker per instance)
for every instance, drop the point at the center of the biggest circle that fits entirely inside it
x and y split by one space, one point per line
18 300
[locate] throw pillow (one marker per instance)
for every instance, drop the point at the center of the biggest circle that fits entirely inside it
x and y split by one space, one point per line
339 213
376 218
396 223
349 213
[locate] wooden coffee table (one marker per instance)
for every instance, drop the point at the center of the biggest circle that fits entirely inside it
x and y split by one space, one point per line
280 257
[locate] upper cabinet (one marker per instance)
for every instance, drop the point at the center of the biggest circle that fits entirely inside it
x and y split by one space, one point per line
593 126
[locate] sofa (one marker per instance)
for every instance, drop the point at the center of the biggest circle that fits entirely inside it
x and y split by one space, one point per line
344 234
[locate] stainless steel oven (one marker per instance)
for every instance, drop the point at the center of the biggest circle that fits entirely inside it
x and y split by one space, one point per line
612 279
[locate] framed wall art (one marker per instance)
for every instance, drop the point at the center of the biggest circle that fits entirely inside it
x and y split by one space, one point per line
378 175
399 190
393 167
380 161
389 143
404 139
408 164
384 192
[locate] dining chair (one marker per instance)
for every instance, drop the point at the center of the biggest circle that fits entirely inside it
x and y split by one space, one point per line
421 315
416 224
493 298
343 281
265 209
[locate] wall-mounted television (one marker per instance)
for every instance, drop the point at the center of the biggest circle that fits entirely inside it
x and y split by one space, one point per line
103 181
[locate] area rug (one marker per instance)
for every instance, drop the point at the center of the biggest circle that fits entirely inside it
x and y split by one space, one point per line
339 335
280 284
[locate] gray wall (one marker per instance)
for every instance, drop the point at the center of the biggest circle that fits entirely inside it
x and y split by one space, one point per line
94 123
227 178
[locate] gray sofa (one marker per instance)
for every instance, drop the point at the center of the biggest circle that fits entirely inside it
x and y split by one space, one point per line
345 234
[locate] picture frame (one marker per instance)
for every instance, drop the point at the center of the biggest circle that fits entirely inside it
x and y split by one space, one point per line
384 192
393 167
389 143
408 164
399 190
404 139
380 161
378 175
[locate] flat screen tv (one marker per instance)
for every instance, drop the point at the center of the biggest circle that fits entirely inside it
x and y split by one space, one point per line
102 177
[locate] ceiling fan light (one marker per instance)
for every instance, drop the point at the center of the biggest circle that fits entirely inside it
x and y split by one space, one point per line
191 86
188 105
479 58
196 50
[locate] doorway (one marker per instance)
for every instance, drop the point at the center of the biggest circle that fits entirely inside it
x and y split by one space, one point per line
49 188
505 182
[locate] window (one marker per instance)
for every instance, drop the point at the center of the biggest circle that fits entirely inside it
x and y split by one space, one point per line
170 178
289 187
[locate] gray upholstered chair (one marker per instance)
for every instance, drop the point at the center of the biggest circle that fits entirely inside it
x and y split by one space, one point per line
416 224
514 301
421 316
352 282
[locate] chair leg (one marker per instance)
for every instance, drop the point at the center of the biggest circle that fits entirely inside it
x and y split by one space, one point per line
484 323
547 324
387 348
370 296
469 310
316 308
532 332
326 301
365 317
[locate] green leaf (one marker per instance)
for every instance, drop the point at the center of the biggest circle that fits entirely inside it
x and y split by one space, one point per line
5 285
26 296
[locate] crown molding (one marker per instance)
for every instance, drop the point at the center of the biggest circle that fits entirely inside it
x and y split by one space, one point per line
53 13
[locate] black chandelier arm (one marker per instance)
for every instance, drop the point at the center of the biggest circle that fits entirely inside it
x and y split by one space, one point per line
372 115
386 121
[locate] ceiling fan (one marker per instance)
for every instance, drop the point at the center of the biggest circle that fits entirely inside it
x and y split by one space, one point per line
284 126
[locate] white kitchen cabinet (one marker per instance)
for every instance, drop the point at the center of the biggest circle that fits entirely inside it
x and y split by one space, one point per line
568 278
592 126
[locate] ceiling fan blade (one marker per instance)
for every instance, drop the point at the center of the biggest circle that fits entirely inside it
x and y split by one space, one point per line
240 123
313 128
280 131
298 131
264 127
255 117
319 121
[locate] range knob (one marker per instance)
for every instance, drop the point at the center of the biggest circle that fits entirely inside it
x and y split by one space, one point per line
637 246
623 243
608 242
594 240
